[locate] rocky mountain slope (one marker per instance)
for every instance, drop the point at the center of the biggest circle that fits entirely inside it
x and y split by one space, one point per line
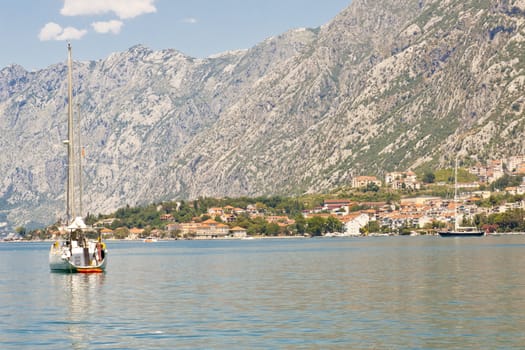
385 85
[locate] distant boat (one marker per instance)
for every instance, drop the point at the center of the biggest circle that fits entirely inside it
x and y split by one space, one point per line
150 240
459 231
75 253
462 232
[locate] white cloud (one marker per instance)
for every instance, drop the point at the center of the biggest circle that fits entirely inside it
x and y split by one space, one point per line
71 33
49 32
189 20
122 8
53 31
113 27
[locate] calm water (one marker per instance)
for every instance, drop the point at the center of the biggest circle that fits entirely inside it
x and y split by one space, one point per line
381 293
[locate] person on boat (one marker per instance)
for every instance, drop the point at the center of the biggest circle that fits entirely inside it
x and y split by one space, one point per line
103 250
99 252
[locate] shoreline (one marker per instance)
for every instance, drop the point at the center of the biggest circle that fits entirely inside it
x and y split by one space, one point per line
495 234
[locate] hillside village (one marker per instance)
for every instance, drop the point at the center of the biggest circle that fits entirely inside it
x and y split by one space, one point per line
421 214
301 112
416 213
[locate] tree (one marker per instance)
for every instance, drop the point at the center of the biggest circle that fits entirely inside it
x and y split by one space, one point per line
371 187
432 225
90 219
405 231
300 224
429 177
257 226
373 226
121 233
21 231
503 222
333 225
315 225
272 229
204 218
480 219
115 224
261 207
510 221
506 181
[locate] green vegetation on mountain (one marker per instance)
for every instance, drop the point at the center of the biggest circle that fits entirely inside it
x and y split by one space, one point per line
447 176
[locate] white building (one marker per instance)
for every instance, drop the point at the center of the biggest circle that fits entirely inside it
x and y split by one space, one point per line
364 181
238 232
354 223
402 180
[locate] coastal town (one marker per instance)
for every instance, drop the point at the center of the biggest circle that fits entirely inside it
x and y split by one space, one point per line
414 212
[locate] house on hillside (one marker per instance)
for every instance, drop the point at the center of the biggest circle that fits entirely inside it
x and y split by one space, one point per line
104 222
397 220
521 188
228 217
135 232
106 232
402 180
238 211
280 220
364 181
423 220
228 209
515 164
490 173
172 227
166 217
513 190
336 205
520 169
213 212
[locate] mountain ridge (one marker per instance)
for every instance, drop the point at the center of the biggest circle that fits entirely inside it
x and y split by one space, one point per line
386 85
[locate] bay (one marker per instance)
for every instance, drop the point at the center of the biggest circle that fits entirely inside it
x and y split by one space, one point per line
357 293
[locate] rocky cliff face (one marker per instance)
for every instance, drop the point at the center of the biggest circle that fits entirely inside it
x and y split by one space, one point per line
386 85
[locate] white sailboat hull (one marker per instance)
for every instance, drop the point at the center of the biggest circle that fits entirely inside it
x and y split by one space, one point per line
75 259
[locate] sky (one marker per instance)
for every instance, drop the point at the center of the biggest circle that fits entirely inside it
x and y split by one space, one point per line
34 33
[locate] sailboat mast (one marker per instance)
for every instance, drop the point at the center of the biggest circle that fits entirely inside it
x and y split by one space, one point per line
456 217
80 155
70 148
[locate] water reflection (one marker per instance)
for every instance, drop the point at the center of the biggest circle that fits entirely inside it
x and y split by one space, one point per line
79 296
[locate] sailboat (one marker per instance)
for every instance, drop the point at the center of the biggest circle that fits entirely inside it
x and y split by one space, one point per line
459 231
75 253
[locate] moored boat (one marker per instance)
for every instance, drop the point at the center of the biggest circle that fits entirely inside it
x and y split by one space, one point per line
76 253
462 232
73 251
459 231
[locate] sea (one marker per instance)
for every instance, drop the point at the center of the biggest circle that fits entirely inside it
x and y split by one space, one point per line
330 293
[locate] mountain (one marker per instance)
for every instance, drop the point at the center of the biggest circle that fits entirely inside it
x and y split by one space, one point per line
386 85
